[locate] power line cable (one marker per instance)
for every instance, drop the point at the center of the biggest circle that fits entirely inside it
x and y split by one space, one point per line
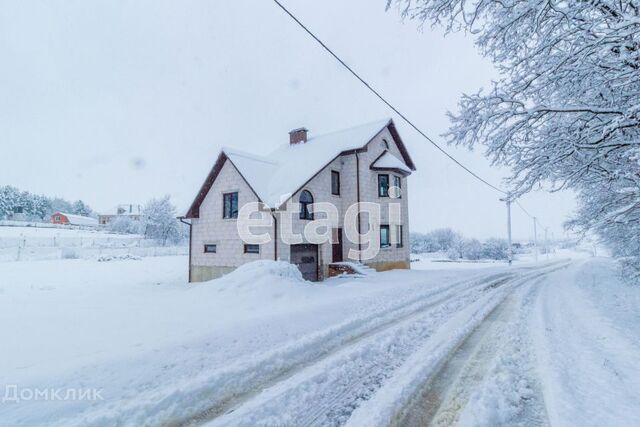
528 214
409 122
377 94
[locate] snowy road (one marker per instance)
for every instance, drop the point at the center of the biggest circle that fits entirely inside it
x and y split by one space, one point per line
327 389
534 345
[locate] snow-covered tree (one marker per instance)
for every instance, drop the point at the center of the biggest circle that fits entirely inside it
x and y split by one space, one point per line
441 239
566 108
6 201
80 208
159 221
40 207
124 224
471 249
58 204
10 199
495 249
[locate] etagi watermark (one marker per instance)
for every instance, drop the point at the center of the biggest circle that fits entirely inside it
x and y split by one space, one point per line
15 394
255 223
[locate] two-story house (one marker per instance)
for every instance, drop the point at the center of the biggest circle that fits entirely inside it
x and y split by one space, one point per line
368 163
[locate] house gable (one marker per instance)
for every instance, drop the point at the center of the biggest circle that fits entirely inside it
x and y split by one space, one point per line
270 177
392 135
194 209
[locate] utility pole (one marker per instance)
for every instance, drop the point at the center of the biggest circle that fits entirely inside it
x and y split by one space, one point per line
507 200
535 236
546 241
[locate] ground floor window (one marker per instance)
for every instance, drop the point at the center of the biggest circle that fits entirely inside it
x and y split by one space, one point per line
210 249
399 242
384 236
251 249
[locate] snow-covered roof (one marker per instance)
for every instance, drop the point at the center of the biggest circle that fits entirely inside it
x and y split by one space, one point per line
79 219
389 161
278 175
125 209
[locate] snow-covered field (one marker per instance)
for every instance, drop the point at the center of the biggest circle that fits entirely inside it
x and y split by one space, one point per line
441 261
554 343
51 243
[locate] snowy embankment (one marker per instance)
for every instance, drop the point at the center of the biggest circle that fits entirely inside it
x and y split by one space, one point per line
50 243
136 330
263 347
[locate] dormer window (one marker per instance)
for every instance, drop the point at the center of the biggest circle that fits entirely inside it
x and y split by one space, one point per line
306 199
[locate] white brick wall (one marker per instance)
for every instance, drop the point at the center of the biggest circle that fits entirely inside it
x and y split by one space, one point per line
212 228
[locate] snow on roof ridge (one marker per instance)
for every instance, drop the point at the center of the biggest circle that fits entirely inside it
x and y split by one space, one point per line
76 215
80 218
382 122
276 176
251 156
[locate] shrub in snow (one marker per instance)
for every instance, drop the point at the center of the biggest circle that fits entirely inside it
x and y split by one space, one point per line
442 239
471 249
69 254
125 257
496 249
124 224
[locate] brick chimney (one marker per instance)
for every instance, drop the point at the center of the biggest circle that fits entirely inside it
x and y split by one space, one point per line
298 135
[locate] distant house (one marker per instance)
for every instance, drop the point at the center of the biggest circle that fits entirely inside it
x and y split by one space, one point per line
131 211
70 219
17 214
344 169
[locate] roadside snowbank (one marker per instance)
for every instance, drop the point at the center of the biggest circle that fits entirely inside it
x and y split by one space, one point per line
257 275
143 335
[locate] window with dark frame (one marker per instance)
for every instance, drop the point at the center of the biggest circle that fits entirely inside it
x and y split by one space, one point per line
399 242
397 182
384 236
306 200
251 249
230 205
210 249
383 185
335 183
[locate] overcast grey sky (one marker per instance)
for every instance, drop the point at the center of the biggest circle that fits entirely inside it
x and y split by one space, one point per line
116 101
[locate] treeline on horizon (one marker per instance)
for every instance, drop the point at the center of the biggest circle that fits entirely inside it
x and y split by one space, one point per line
37 206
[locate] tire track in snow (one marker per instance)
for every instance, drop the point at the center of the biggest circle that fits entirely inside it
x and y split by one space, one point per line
211 394
327 392
371 326
399 396
466 376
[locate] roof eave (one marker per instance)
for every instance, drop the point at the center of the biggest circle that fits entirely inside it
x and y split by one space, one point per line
401 146
194 209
